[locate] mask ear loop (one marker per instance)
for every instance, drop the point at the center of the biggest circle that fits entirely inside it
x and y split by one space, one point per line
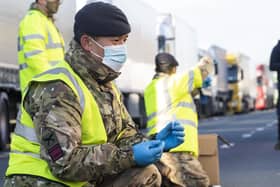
99 45
93 53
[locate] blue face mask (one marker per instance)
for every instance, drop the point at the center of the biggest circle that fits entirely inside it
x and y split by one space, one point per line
114 55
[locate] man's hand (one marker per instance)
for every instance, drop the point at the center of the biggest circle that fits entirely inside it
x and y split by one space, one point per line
148 152
172 135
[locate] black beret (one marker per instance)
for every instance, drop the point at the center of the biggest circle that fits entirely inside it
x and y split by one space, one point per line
100 19
165 59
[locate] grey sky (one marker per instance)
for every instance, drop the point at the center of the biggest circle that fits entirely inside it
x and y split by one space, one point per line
248 26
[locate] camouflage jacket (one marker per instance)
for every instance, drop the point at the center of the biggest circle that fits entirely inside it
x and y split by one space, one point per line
56 112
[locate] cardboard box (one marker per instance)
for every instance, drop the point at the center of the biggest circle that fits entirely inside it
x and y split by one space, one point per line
209 156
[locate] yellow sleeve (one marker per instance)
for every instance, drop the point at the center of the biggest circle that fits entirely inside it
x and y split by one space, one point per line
33 36
188 81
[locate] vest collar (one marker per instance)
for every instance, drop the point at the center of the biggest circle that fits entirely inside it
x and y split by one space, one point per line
160 75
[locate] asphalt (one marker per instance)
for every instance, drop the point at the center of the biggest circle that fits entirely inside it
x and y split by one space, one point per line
251 160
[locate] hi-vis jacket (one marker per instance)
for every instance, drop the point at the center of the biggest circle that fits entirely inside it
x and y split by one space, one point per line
25 147
168 98
40 45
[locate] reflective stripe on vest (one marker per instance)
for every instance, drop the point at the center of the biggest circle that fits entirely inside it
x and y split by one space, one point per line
27 153
51 44
23 66
32 53
32 37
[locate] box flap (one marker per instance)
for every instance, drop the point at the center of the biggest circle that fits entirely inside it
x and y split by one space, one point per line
207 144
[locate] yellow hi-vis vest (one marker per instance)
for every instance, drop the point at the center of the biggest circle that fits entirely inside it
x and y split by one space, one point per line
25 147
40 46
169 98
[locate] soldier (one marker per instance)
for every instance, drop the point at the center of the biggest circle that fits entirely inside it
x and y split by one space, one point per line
169 97
40 44
73 129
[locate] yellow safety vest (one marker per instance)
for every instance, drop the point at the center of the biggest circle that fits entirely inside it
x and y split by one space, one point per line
40 46
25 147
169 98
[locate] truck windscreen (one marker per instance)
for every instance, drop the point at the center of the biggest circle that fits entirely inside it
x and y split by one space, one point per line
232 74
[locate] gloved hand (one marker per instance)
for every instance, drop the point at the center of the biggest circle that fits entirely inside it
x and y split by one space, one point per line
206 82
206 66
172 135
148 152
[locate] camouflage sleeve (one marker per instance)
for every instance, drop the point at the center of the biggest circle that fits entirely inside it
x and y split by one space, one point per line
130 135
57 118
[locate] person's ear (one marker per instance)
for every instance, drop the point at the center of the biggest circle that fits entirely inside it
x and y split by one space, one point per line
85 42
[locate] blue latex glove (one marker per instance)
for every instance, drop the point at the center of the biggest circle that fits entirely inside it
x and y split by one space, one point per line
148 152
207 82
172 135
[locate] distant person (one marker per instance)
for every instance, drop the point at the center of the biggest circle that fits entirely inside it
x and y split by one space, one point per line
40 44
73 129
274 65
167 98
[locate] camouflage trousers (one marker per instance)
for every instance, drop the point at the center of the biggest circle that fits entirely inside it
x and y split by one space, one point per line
135 177
182 170
29 181
173 170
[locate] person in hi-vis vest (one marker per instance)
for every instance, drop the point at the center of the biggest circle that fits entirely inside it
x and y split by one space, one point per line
73 129
169 97
40 44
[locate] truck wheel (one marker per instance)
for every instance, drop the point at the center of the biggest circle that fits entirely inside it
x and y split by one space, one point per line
246 108
4 127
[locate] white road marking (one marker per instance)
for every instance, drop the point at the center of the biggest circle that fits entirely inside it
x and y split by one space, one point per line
260 129
247 135
225 146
